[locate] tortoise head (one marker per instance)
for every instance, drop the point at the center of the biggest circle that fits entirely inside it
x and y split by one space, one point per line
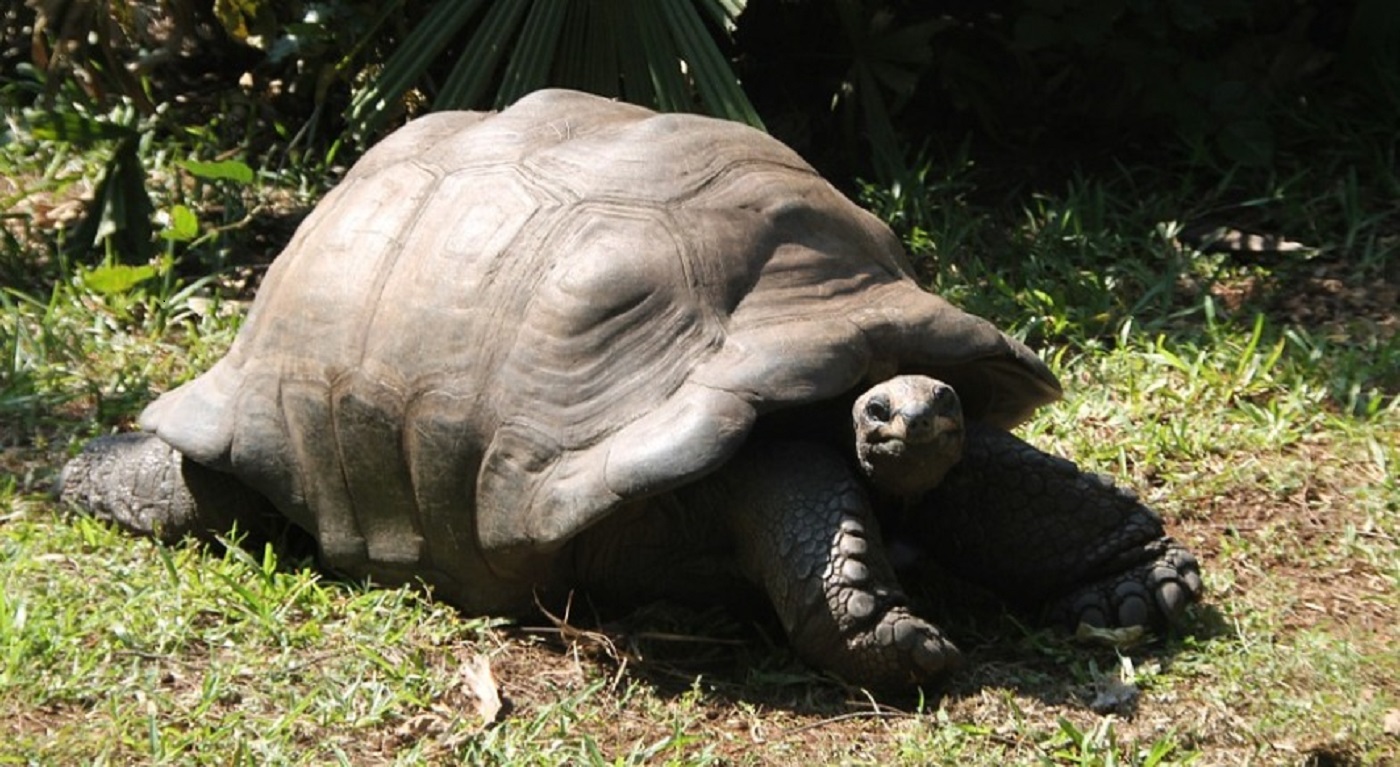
909 433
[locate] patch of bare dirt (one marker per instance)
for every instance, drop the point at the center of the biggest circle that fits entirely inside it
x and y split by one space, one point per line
35 207
33 212
1331 298
1304 539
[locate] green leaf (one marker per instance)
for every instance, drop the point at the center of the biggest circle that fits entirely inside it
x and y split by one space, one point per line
228 170
184 225
652 70
633 48
74 128
237 17
887 152
724 13
120 212
116 279
588 50
911 44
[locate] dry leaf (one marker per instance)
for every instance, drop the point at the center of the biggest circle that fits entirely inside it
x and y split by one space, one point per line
1225 239
1392 722
482 685
1120 638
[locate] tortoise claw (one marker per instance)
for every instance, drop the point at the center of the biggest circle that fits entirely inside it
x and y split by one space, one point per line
1152 595
899 651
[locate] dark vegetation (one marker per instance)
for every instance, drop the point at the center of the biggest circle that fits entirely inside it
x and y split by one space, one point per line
1029 91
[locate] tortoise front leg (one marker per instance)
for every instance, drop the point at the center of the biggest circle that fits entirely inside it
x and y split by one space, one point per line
144 486
1042 533
804 530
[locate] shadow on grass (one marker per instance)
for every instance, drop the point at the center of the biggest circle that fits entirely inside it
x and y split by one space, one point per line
739 655
739 651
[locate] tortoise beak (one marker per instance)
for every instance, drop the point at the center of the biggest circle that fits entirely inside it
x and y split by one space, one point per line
925 422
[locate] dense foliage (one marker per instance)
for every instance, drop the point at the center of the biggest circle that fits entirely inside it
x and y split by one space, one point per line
1211 73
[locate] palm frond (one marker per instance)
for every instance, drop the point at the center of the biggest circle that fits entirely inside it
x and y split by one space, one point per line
469 81
370 107
657 53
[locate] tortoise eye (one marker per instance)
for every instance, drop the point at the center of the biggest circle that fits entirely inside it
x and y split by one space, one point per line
877 410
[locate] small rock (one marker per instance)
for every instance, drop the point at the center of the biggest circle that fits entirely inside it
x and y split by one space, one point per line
1116 697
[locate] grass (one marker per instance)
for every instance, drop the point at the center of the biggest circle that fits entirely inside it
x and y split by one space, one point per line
1251 398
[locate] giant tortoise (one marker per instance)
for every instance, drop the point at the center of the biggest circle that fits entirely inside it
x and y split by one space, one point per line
577 345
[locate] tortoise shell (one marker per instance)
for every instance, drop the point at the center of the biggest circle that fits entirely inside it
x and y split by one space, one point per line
498 329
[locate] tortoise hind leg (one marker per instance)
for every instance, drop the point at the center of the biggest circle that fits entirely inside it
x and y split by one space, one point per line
144 486
804 530
1042 533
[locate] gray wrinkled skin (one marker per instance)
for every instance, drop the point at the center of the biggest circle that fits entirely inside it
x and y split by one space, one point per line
580 345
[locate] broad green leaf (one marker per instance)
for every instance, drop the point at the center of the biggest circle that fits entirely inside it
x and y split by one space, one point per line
602 46
601 64
120 212
655 64
724 13
115 279
184 225
227 170
886 150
